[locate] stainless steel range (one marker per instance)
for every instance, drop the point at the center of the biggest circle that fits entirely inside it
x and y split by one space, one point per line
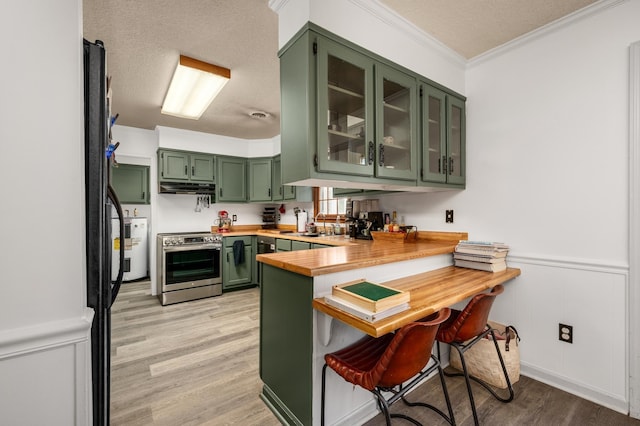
189 266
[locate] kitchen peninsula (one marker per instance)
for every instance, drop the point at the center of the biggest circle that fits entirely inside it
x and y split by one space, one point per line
294 336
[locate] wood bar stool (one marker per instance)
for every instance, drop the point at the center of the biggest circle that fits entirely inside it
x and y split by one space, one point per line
465 328
383 364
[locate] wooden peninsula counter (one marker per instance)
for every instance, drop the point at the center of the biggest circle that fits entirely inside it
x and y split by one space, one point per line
294 336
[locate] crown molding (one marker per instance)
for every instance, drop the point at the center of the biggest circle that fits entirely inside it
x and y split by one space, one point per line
392 19
276 5
549 28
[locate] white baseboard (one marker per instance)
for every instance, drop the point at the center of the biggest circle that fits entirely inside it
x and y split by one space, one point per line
594 395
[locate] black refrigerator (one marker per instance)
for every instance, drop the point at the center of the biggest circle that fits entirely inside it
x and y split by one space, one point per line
100 201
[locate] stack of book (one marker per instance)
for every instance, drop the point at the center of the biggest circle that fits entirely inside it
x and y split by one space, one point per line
486 256
368 301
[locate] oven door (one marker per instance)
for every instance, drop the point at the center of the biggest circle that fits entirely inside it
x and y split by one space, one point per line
190 266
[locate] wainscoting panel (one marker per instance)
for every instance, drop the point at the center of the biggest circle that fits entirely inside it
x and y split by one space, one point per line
591 297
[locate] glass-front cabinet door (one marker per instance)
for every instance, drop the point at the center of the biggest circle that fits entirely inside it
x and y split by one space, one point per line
443 137
396 124
434 135
456 140
345 110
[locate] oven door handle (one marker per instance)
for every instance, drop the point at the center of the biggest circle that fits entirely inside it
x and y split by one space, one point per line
168 249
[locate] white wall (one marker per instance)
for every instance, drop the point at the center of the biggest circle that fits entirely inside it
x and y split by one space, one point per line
44 322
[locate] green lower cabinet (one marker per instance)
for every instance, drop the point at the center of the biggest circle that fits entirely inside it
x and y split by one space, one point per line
283 245
300 245
316 245
237 275
286 344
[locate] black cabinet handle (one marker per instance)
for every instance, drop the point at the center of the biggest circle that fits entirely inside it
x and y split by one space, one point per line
221 191
186 170
381 155
371 152
143 195
227 257
450 165
269 192
280 190
439 165
444 164
193 170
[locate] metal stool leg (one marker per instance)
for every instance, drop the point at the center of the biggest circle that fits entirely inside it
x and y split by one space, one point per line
324 372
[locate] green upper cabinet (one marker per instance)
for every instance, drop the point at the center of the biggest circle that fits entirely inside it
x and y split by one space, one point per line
279 191
345 110
183 166
443 137
352 119
396 123
202 168
131 183
231 173
351 89
260 179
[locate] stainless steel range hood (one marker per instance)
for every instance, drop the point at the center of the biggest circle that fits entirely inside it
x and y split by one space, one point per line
186 188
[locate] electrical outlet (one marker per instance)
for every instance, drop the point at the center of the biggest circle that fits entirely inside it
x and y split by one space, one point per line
565 333
234 218
448 218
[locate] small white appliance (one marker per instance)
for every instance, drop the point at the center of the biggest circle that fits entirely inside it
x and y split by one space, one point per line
301 221
136 248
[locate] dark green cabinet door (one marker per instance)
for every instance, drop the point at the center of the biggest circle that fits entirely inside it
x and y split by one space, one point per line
202 168
316 246
174 165
456 124
131 183
434 135
279 191
283 245
231 182
300 245
345 110
260 179
235 275
443 137
241 274
396 124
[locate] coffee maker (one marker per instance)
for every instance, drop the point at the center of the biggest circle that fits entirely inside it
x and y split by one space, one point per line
366 222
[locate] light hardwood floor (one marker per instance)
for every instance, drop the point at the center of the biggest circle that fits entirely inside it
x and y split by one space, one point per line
192 363
196 363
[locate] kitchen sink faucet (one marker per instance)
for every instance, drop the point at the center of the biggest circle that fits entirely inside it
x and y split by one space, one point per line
324 221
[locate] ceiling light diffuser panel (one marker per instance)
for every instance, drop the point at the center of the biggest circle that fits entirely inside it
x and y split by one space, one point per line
193 87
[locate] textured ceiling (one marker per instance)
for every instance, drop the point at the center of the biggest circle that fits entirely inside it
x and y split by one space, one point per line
472 27
144 39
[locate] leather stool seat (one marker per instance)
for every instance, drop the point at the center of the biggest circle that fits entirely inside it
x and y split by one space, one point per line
465 328
386 363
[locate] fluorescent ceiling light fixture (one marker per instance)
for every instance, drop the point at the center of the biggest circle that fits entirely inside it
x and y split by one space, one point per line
193 87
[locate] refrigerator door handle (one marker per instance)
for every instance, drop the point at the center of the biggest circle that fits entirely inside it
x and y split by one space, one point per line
111 194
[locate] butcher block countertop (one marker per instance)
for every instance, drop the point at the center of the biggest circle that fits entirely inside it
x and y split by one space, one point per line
352 254
430 292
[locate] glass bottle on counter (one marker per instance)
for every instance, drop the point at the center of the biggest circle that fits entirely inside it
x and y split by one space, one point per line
395 227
